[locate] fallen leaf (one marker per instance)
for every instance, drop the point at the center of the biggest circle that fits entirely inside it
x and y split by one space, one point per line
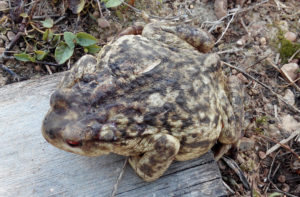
76 6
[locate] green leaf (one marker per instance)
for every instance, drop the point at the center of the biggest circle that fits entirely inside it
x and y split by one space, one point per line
92 49
85 39
113 3
24 15
70 39
48 23
40 55
55 40
63 52
275 194
48 35
45 35
24 57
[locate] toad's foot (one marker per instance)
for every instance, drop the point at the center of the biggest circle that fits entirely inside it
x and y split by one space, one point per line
162 149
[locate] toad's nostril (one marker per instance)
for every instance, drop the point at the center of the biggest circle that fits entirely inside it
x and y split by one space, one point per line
73 143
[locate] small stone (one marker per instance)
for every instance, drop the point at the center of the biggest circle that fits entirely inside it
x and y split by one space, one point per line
289 97
220 8
281 178
262 154
4 6
246 144
291 36
103 23
96 14
290 71
191 6
242 41
285 187
22 44
263 41
10 35
288 123
2 50
37 68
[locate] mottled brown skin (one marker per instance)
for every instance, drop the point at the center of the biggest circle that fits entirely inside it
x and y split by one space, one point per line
152 97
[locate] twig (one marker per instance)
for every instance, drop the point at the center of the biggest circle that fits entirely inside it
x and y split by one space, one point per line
119 178
59 19
47 63
291 83
231 12
233 165
275 147
228 188
282 145
258 61
270 171
229 51
12 73
45 16
13 42
227 26
48 69
292 57
244 26
100 10
284 74
265 86
280 191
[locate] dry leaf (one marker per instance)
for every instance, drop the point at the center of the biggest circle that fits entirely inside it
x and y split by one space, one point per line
76 6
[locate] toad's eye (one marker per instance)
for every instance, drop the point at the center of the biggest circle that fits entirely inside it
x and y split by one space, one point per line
73 143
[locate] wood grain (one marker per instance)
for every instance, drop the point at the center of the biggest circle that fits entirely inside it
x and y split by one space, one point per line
29 166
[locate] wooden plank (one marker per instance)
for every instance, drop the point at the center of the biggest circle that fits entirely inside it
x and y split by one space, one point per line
29 166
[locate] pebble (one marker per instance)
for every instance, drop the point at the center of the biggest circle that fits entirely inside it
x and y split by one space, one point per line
290 70
10 35
4 6
285 187
37 68
96 14
289 97
220 8
291 36
281 178
2 50
263 41
103 23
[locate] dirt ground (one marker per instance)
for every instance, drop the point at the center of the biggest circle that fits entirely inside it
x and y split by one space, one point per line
258 41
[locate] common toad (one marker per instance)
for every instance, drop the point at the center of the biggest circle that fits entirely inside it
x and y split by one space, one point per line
153 97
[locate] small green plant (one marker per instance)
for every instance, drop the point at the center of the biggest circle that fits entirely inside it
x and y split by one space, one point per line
63 49
287 48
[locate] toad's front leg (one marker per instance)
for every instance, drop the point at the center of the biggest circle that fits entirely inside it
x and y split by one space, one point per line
160 151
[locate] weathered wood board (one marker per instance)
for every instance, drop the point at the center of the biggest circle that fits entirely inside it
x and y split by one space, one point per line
29 166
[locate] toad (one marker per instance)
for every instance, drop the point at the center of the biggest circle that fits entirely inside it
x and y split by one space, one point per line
153 97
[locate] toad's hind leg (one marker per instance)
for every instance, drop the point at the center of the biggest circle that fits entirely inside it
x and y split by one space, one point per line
232 131
161 150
